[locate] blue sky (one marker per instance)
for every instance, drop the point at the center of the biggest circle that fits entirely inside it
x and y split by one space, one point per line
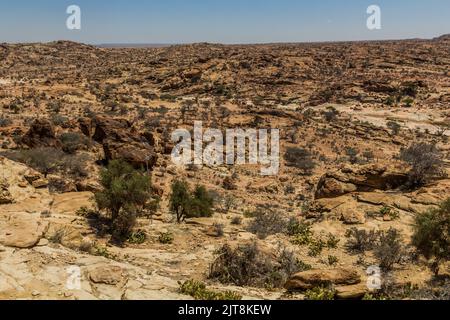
225 21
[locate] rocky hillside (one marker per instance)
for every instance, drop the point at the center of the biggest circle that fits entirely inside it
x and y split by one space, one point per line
343 203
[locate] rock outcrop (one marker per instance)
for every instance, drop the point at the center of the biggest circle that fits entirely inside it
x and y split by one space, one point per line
365 178
315 278
121 141
41 134
21 230
5 195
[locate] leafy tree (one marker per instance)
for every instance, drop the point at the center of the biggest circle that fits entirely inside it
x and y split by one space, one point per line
125 193
202 202
180 200
44 160
432 234
185 204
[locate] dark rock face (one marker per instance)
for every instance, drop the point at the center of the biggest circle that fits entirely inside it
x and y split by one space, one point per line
359 179
41 134
121 141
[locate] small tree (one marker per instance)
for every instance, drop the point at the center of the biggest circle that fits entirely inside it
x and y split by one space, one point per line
425 160
185 204
180 200
44 160
432 234
202 202
124 196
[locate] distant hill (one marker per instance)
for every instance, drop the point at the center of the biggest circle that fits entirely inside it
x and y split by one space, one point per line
134 45
444 37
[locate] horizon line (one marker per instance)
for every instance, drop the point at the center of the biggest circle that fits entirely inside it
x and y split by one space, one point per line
168 44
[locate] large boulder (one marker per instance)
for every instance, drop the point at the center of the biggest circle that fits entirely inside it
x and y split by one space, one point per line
121 141
107 274
41 134
363 178
315 278
352 292
21 230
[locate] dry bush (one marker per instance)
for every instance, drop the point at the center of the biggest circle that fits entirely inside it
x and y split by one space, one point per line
301 159
267 222
247 265
426 162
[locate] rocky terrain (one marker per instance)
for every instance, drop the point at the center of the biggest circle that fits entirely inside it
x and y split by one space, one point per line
345 113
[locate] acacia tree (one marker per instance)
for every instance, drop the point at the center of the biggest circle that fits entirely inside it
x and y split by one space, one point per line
432 234
125 193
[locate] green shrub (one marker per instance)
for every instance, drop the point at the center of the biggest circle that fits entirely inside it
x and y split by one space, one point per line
332 241
394 127
103 252
166 238
137 237
332 260
316 247
432 234
73 141
300 232
199 291
320 293
202 202
390 212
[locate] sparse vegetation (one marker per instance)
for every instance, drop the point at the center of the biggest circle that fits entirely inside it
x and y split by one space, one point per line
300 159
389 249
267 222
199 291
394 127
361 240
73 141
248 265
